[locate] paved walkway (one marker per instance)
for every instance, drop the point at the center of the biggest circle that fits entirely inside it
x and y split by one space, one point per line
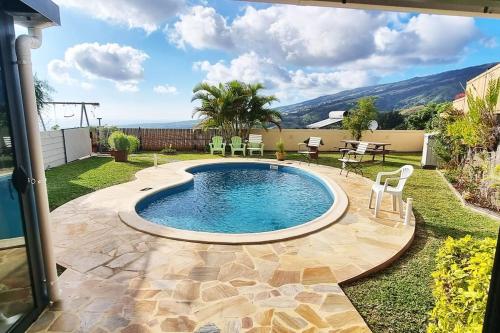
122 280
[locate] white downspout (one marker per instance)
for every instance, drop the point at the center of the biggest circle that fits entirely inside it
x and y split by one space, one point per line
24 44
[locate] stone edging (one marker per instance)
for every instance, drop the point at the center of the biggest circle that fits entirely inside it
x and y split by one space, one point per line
129 216
474 208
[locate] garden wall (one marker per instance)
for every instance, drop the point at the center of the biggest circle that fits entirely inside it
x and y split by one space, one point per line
155 139
64 146
403 141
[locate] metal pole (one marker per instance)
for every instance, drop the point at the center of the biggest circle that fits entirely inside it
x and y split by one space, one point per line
85 112
24 44
81 116
99 135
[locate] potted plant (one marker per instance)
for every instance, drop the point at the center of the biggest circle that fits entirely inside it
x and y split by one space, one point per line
122 144
280 150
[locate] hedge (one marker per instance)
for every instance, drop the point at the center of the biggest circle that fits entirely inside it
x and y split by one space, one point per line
461 282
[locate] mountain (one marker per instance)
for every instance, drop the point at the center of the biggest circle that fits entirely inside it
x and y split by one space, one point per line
390 96
177 124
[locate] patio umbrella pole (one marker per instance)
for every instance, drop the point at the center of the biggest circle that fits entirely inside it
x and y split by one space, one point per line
24 44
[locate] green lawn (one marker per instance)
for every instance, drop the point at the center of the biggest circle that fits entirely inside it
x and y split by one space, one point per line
394 300
399 298
75 179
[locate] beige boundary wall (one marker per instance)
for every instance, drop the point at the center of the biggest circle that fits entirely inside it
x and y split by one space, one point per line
401 141
478 86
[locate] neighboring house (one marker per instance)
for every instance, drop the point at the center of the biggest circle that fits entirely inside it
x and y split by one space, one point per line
477 86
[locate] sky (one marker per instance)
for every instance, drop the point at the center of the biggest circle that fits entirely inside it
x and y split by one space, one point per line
141 59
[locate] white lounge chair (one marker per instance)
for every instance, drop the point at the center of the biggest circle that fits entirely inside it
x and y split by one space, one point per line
379 188
310 148
255 144
7 144
351 159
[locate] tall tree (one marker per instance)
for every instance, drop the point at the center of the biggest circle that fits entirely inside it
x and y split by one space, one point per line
360 116
258 111
43 94
234 107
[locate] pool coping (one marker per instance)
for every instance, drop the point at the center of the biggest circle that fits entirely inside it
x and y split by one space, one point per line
129 216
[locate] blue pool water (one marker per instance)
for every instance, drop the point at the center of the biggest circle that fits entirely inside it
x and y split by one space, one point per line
10 213
239 198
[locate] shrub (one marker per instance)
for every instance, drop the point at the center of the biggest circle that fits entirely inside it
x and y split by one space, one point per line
461 283
134 143
169 150
121 141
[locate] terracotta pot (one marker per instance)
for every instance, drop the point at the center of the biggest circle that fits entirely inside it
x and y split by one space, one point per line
121 155
280 156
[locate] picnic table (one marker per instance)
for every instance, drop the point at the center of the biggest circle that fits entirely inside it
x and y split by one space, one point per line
375 148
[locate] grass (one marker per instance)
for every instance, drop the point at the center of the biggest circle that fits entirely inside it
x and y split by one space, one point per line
75 179
397 299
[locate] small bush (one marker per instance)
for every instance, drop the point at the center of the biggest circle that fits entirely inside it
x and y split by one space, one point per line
121 141
461 283
134 143
168 150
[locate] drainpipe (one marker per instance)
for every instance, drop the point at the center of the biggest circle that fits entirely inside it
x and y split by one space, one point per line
24 44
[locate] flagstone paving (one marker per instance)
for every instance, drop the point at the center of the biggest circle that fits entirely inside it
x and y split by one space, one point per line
119 279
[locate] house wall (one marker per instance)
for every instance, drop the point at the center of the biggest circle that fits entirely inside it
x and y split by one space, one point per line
478 87
64 146
402 141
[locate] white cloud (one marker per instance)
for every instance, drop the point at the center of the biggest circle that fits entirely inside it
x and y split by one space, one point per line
287 84
146 15
165 89
307 36
122 65
327 37
200 28
427 39
489 42
59 71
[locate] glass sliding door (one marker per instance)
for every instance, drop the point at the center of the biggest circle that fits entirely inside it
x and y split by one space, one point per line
16 295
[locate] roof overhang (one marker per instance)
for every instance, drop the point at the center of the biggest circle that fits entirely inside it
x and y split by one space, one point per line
33 13
479 8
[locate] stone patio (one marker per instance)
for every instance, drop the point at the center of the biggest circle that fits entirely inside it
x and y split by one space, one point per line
119 279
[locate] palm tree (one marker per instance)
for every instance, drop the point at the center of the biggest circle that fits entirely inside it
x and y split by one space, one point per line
234 107
258 111
216 106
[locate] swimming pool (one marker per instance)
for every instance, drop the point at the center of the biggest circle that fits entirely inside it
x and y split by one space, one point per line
10 213
236 198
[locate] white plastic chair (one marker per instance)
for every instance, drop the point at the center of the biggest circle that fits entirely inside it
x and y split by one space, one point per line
255 144
379 188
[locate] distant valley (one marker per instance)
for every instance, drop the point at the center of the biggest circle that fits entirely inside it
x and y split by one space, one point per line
390 97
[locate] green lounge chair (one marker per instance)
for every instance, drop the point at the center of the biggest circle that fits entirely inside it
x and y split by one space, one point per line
217 145
255 144
236 145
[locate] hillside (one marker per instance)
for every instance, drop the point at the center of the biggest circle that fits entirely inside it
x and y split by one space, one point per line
177 124
391 96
